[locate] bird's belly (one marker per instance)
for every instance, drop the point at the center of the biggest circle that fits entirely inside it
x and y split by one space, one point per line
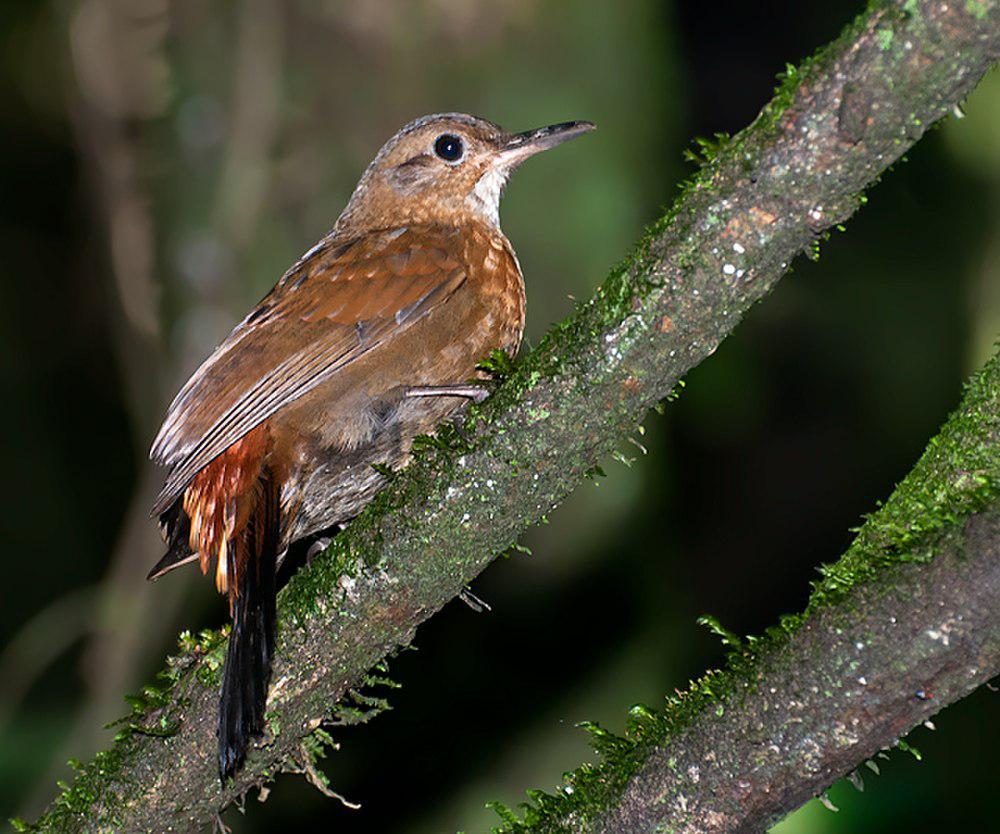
338 482
338 437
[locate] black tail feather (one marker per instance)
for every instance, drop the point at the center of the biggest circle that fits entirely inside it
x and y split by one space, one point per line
177 527
251 645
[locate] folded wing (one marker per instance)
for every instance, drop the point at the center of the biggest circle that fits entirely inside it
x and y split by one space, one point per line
341 300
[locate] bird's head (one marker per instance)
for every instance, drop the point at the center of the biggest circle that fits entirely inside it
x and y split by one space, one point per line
448 168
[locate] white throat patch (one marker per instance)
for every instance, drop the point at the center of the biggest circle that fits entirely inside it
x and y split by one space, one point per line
485 197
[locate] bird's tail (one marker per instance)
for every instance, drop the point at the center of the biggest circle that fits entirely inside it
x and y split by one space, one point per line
252 561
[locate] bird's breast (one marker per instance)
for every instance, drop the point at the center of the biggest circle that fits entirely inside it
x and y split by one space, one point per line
496 275
338 436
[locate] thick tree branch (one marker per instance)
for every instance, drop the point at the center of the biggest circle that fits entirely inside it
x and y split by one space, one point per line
905 623
835 125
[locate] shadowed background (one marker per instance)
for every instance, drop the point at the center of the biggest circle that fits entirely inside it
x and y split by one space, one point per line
164 162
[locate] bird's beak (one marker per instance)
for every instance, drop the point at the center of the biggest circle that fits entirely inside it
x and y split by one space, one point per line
522 145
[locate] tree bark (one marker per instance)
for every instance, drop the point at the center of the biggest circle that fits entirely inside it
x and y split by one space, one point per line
835 125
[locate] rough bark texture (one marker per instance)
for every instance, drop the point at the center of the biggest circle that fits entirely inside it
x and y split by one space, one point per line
835 125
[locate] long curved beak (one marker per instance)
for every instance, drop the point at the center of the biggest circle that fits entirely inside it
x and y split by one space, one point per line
522 145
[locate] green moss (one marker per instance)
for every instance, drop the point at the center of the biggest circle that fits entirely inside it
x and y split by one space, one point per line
315 747
729 638
499 365
706 151
906 747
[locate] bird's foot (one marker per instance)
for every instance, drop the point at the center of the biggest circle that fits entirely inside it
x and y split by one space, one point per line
316 548
475 603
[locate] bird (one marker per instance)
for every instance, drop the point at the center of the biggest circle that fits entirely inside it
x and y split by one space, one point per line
371 338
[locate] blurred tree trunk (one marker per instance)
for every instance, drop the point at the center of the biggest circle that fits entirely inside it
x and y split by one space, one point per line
836 124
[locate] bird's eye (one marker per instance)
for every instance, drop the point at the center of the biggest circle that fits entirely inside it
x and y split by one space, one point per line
448 147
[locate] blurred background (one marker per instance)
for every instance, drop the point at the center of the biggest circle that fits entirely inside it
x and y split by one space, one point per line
162 162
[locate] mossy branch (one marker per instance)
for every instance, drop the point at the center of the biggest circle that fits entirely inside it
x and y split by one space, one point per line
835 125
906 622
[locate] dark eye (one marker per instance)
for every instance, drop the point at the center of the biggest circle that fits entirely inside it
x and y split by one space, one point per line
448 147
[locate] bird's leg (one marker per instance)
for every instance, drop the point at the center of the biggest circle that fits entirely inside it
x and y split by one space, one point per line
476 393
471 391
317 547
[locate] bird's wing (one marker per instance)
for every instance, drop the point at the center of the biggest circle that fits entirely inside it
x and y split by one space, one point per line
342 299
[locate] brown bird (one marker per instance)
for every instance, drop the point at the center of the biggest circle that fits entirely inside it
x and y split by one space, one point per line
371 338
